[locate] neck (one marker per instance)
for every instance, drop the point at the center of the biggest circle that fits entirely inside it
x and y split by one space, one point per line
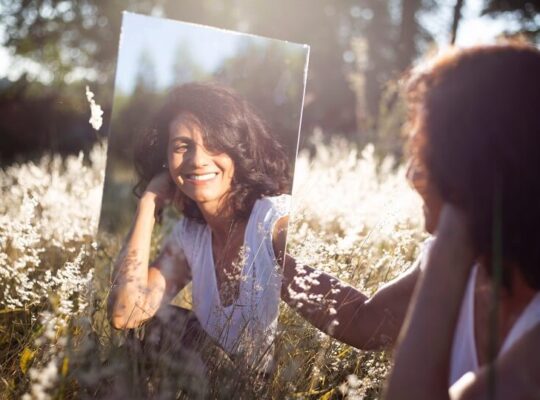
219 219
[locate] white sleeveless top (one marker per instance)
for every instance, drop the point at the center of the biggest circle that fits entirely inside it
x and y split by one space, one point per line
248 326
464 360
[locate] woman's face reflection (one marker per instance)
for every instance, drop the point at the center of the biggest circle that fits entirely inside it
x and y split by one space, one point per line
201 174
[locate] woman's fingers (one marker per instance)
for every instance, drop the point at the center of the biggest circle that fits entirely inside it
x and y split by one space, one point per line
162 188
452 219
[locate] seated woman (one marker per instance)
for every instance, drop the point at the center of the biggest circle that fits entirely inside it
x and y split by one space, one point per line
475 315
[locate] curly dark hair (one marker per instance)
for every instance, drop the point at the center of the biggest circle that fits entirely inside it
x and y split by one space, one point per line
478 139
228 125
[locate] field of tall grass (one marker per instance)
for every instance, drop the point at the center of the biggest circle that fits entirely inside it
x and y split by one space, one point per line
354 216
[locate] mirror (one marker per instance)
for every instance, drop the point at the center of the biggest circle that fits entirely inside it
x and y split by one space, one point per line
205 120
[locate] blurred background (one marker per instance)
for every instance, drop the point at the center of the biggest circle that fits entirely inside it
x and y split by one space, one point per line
50 50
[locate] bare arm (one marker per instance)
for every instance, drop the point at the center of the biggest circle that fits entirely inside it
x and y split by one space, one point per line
341 310
421 371
138 287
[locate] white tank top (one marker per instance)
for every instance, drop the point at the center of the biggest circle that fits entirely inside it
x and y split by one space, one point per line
464 360
248 326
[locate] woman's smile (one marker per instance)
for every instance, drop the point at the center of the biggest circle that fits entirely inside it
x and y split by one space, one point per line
200 178
203 175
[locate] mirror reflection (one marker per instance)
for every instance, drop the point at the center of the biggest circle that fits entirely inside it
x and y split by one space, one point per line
201 153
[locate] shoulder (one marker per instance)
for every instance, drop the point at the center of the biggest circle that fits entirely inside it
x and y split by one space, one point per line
277 220
281 200
269 212
279 236
277 206
268 222
186 232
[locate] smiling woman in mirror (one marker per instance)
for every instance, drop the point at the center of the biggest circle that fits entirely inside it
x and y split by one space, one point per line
213 158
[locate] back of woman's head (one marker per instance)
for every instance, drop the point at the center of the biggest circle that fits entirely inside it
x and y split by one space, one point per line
228 124
478 118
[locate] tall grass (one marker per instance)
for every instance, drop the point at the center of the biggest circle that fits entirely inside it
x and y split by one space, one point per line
353 216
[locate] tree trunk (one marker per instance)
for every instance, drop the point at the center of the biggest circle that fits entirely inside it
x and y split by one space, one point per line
408 33
455 21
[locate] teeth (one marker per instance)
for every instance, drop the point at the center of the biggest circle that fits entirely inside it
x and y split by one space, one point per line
203 177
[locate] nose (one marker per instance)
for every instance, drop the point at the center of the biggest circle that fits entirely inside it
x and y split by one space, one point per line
199 156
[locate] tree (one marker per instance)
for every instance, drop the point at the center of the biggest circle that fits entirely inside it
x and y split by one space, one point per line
70 35
185 68
65 35
277 68
525 11
145 77
455 20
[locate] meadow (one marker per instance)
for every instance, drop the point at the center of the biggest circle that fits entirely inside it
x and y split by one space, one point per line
353 215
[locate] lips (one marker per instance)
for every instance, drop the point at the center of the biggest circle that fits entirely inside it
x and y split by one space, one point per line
200 178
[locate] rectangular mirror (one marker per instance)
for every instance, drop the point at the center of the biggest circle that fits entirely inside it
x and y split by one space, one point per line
201 155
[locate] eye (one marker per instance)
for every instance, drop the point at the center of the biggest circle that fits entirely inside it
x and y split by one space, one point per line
180 147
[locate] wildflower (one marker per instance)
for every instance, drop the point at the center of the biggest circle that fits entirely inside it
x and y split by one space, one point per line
96 112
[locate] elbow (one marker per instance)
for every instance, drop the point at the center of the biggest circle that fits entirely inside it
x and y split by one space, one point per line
114 317
117 320
120 319
122 323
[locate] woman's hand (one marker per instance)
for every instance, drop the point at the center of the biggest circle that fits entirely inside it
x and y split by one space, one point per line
453 241
452 221
420 371
160 190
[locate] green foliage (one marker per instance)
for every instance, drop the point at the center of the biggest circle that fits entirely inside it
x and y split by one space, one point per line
65 35
275 87
525 11
528 9
77 39
36 118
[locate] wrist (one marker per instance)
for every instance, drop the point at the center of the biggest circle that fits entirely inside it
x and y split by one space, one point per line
149 200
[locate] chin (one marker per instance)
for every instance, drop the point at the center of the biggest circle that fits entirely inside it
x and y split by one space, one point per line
429 228
201 198
198 198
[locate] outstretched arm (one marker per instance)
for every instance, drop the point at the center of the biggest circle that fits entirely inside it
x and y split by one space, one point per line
341 310
138 287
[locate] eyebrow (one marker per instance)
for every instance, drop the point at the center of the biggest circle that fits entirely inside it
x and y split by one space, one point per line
180 139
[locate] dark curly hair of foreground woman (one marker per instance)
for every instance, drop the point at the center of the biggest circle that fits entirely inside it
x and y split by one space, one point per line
478 141
229 125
